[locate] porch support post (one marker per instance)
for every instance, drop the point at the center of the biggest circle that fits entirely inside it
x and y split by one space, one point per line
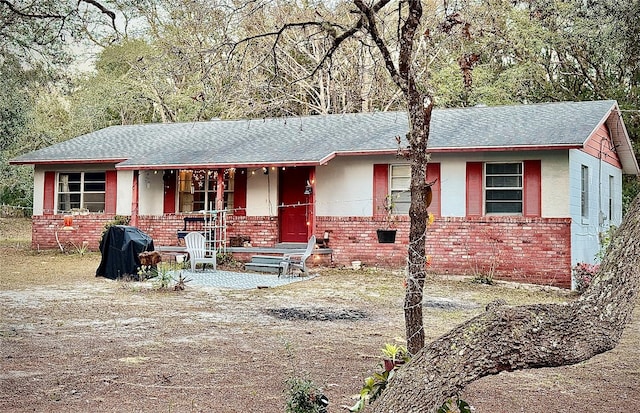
134 199
311 228
220 190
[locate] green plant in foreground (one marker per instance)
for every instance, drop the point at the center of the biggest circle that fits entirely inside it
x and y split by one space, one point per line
226 259
146 272
455 406
372 389
394 355
605 239
303 396
375 384
163 278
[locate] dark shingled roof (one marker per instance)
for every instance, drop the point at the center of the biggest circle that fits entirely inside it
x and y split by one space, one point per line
314 139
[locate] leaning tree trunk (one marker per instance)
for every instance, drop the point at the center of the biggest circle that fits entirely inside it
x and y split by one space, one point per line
508 338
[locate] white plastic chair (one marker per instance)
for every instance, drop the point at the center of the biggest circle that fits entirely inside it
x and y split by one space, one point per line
298 259
198 252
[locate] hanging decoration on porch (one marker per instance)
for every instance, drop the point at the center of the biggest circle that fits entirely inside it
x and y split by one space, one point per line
198 178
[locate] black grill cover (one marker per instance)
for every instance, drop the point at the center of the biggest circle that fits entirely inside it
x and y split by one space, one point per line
120 247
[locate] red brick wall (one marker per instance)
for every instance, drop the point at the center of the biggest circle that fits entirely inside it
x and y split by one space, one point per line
163 229
86 228
263 231
535 250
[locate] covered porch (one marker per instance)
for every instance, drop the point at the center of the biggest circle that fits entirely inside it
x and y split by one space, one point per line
321 255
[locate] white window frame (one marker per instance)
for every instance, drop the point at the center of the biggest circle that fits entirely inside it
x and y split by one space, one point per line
584 192
611 199
399 188
85 192
513 188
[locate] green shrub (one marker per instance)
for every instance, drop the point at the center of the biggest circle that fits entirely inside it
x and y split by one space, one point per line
455 406
303 396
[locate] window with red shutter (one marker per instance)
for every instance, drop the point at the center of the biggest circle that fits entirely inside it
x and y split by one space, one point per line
111 192
474 197
81 191
532 188
48 203
380 187
433 174
504 188
240 193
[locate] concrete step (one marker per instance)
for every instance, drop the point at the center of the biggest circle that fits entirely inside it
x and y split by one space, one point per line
262 267
266 259
292 245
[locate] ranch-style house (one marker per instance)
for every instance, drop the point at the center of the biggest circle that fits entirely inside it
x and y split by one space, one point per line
525 191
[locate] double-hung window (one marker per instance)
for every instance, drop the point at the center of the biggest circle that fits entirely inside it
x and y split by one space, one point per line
400 180
81 191
584 191
503 188
610 198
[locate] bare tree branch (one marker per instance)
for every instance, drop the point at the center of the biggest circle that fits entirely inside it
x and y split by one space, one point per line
102 9
25 14
372 29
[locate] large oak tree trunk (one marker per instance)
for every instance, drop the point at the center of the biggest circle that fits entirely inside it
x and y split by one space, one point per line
508 338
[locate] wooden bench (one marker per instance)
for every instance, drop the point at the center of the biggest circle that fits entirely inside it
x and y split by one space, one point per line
191 224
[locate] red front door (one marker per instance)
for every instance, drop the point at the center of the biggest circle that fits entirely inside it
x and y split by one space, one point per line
294 208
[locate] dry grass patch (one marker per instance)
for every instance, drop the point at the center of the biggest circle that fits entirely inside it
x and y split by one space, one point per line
72 342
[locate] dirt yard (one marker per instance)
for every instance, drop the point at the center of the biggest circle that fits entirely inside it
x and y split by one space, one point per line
71 342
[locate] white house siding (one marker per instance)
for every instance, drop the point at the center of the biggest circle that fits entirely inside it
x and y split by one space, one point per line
38 190
150 193
124 196
124 189
262 193
344 187
555 189
555 184
585 231
453 183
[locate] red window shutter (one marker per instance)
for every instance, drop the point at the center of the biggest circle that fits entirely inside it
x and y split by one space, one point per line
474 189
169 198
110 192
380 187
240 192
532 205
48 203
433 174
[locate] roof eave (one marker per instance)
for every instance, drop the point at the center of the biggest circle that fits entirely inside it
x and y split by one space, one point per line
553 147
622 142
64 161
516 148
229 165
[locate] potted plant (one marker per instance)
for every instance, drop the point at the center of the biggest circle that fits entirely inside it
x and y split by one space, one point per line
387 235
